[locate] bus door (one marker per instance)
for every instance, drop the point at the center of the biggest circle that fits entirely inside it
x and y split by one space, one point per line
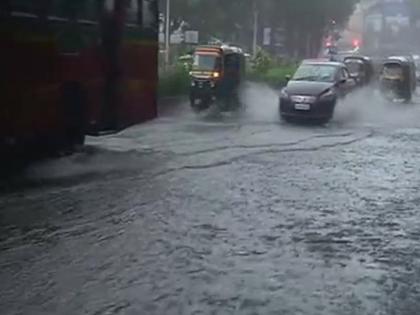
139 62
111 33
130 46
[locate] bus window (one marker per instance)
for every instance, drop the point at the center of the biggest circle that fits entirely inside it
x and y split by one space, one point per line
4 8
77 9
140 12
149 15
27 6
93 9
132 12
109 6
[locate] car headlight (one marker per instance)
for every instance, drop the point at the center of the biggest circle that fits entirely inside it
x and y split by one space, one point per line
284 94
328 94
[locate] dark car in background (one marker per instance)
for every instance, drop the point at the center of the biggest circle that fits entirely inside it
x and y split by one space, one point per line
314 90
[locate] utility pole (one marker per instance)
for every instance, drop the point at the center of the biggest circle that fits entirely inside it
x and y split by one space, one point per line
255 37
167 32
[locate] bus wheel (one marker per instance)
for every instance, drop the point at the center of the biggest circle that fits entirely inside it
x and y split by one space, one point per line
74 101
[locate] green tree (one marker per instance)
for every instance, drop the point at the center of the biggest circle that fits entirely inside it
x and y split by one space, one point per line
304 20
415 9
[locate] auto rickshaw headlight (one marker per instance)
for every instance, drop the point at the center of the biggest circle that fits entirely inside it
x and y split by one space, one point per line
216 74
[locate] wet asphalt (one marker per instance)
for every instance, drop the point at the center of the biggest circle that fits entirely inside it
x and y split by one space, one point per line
222 213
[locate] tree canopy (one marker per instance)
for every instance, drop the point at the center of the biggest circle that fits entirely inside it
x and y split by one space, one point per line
233 20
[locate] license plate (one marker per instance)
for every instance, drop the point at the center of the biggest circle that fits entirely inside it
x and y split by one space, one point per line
302 106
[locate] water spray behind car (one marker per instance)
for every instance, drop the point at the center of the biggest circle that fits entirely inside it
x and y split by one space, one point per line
367 107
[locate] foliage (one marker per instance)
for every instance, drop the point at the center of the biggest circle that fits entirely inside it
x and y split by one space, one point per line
174 82
262 62
233 20
275 77
213 18
264 69
415 8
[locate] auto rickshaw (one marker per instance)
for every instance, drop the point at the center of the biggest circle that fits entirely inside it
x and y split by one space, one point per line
361 68
397 79
216 75
416 59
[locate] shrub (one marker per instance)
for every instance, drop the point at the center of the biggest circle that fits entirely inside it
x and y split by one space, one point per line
262 62
275 76
174 82
266 69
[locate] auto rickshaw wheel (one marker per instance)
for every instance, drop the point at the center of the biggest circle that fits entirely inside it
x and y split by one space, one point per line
204 104
229 102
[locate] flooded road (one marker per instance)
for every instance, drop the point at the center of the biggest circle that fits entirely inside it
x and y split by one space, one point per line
222 213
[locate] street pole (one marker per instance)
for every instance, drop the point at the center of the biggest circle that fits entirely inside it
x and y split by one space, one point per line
255 37
167 32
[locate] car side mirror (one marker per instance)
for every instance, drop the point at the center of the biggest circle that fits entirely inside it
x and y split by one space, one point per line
288 77
342 81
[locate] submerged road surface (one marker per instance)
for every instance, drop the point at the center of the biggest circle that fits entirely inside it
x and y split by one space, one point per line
232 213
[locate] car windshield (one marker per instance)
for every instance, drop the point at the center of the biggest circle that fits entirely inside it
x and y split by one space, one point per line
315 72
206 62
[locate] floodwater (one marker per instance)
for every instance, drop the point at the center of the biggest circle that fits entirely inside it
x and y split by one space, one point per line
222 213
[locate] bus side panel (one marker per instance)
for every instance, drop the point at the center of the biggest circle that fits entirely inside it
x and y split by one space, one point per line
81 62
140 82
37 62
139 64
29 82
92 81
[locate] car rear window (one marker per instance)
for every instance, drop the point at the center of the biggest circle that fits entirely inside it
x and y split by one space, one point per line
77 9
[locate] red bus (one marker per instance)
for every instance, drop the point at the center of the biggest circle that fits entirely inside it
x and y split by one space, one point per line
74 67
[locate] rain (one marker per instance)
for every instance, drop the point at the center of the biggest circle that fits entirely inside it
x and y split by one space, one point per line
210 157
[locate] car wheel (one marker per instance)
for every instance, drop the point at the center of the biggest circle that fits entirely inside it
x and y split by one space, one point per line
286 119
324 121
283 118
